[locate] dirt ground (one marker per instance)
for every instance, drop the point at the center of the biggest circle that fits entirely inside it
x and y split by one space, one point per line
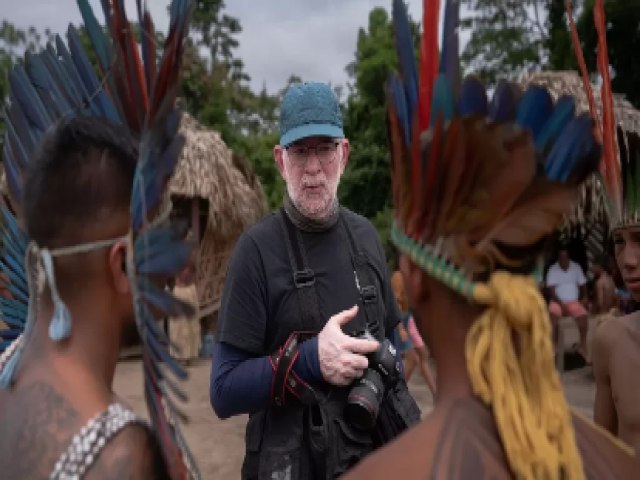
218 445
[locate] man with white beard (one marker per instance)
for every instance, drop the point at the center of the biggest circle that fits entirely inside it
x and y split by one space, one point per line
302 340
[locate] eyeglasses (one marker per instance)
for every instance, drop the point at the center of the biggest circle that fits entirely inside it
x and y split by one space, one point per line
325 152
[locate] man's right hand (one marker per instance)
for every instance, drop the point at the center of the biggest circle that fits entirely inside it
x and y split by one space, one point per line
342 358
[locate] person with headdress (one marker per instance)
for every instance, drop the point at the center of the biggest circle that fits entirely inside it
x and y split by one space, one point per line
478 186
88 254
616 342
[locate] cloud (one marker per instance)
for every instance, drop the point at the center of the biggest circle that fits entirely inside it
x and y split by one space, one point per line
314 39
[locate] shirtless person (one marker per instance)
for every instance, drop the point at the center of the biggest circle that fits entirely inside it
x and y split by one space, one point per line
616 351
500 411
605 299
77 191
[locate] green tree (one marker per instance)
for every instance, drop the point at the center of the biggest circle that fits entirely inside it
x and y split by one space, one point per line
558 39
366 186
507 37
623 39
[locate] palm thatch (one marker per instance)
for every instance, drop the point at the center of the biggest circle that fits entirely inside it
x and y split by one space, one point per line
591 207
208 169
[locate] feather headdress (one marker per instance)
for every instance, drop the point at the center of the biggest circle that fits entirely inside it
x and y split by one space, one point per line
478 185
136 87
620 167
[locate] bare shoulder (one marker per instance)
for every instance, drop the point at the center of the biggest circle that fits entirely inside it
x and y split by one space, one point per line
458 441
131 455
602 457
608 333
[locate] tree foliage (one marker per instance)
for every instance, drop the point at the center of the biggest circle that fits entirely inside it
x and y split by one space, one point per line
366 186
623 39
507 37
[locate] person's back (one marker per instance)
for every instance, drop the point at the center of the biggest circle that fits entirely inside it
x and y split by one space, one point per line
460 441
40 419
473 210
57 408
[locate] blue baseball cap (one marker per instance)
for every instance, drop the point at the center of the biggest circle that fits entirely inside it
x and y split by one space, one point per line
309 110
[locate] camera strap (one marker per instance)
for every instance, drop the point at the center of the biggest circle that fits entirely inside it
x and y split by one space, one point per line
284 378
365 285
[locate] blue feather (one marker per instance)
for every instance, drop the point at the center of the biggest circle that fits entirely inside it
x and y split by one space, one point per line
504 103
443 103
14 179
162 254
47 89
473 97
24 132
26 96
15 280
79 88
13 307
534 110
563 112
449 58
406 56
399 98
18 154
164 301
151 176
64 84
88 77
574 142
99 41
160 354
14 321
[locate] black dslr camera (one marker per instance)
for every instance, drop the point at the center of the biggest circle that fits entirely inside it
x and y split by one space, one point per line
366 394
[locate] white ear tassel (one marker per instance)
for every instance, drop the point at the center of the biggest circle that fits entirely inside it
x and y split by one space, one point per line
41 278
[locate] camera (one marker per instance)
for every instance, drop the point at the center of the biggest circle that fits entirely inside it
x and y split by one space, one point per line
366 394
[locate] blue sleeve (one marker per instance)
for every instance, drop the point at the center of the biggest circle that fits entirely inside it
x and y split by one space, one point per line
241 383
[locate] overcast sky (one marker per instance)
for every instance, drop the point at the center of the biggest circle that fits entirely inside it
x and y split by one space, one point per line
314 39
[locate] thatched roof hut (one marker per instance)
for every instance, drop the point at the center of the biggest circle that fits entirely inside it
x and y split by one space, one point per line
209 170
591 207
221 196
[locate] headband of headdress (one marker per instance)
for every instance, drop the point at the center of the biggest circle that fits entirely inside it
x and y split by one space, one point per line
620 167
478 186
133 89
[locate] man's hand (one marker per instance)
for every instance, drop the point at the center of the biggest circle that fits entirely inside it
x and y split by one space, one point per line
342 357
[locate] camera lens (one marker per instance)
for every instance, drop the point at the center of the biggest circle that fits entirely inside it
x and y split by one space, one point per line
364 400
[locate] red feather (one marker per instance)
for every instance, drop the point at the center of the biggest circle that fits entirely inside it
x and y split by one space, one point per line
429 56
586 83
612 165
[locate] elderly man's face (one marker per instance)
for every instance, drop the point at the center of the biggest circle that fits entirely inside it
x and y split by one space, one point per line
312 168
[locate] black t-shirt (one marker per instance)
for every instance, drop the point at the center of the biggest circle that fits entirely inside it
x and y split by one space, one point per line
260 306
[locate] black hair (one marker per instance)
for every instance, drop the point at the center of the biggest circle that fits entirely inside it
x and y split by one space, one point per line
82 173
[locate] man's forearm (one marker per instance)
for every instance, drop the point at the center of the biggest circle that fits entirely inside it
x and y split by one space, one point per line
241 383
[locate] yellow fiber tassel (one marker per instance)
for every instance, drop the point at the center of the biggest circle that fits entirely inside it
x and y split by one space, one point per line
521 384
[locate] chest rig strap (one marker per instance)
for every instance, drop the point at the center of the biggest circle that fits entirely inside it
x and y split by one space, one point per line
366 286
